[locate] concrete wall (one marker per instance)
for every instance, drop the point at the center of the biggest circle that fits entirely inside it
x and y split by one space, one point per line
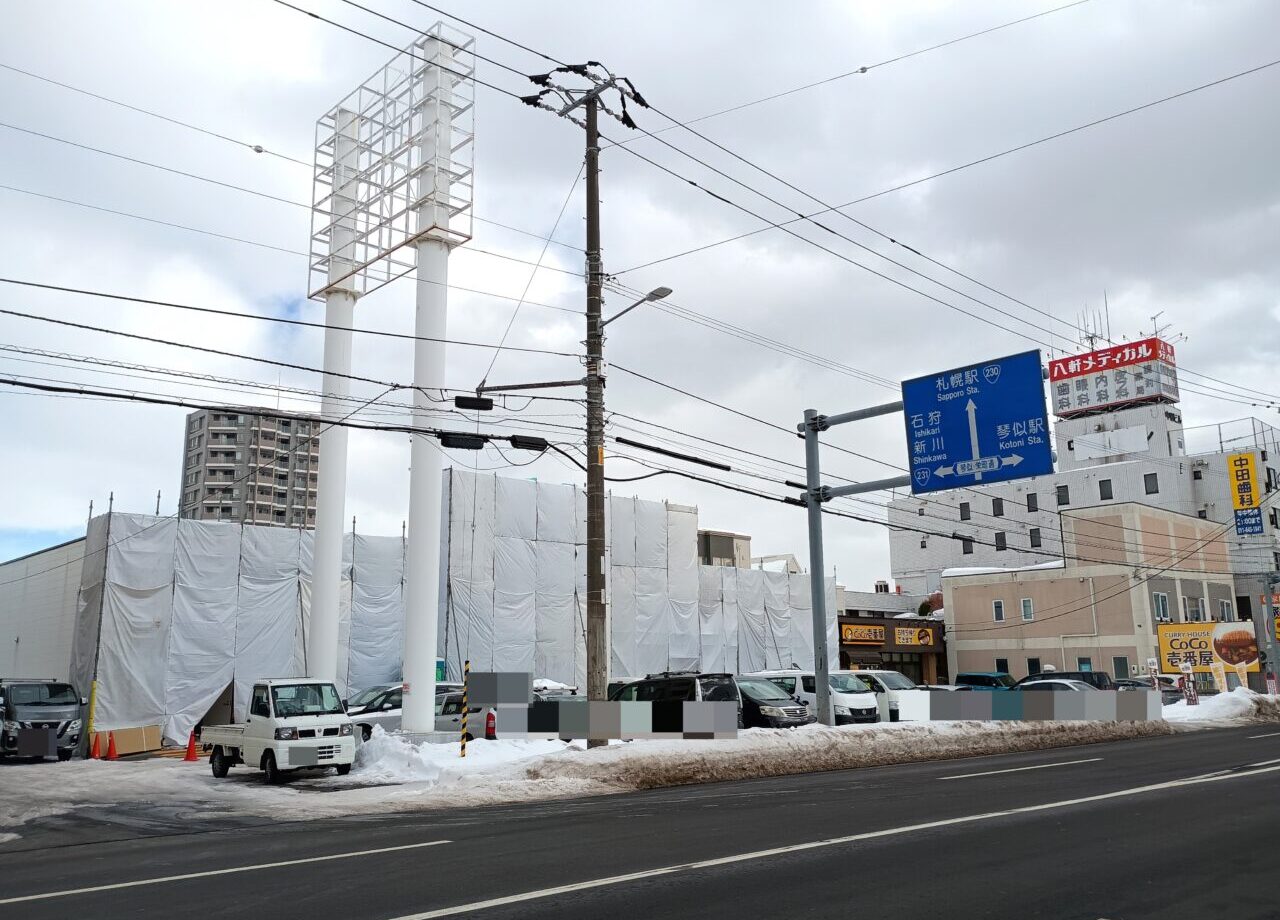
38 611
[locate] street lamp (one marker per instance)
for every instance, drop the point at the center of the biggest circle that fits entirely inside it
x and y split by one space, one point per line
657 293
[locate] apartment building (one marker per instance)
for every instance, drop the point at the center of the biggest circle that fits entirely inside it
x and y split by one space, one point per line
1096 615
1107 455
239 466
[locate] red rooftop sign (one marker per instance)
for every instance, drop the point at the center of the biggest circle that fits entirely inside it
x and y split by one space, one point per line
1131 372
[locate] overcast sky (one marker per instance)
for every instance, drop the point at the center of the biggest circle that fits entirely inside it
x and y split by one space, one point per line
1174 209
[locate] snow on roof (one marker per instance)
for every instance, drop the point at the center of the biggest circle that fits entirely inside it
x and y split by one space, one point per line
997 570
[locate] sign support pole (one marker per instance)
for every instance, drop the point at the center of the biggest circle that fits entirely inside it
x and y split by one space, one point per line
1268 636
815 495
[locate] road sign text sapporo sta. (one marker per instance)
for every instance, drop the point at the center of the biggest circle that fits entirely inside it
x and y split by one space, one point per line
978 424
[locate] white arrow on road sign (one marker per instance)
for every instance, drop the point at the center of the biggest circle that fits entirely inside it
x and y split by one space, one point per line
945 471
1011 460
976 451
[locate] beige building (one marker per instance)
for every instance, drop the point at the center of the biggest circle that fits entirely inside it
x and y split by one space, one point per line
720 547
1129 566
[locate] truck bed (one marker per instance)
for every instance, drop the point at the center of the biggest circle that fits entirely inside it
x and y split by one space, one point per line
226 735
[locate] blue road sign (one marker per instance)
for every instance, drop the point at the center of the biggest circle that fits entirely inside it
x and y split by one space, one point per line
978 424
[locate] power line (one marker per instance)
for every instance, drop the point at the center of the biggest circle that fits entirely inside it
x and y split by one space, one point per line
256 148
266 319
961 166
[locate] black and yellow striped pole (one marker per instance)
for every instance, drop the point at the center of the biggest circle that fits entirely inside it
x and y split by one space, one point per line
466 674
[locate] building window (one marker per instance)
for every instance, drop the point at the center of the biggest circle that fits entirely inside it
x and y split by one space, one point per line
1152 483
997 612
1197 474
1033 502
1084 664
920 511
1035 536
1120 666
1064 495
1160 606
1225 613
964 511
1202 610
1028 610
1001 542
1104 489
1033 665
1002 665
966 546
997 507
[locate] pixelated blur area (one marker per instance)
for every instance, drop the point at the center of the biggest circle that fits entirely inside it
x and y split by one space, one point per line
499 688
572 718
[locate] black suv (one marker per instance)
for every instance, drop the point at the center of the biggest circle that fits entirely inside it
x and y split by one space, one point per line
1099 680
42 717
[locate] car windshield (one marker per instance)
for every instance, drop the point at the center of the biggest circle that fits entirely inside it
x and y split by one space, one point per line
717 689
847 683
761 690
895 681
365 697
305 700
41 694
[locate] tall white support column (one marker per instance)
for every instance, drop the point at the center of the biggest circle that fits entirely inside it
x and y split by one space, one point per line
331 490
422 555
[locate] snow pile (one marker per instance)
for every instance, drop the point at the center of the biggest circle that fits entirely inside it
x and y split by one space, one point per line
815 748
388 759
1240 706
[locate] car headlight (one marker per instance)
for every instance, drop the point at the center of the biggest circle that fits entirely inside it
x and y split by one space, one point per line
11 726
842 710
74 726
345 729
286 734
771 711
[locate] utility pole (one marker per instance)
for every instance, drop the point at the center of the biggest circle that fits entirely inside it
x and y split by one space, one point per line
1268 641
597 621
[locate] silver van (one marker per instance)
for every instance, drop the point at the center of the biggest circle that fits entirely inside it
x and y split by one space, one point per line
41 717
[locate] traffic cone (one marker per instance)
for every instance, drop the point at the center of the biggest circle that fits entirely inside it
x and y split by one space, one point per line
95 753
490 726
111 746
191 750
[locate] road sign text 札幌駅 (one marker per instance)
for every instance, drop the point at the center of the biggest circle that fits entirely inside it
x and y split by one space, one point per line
982 423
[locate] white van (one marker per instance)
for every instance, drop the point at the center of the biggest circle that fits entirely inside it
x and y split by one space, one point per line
886 682
852 699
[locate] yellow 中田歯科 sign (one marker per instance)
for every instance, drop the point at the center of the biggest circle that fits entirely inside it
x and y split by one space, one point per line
1242 473
1202 645
853 634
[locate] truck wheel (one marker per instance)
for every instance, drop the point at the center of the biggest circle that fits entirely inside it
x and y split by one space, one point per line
218 762
344 769
365 732
273 774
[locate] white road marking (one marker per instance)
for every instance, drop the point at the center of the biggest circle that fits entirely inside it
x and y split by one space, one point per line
1271 735
178 878
1039 766
812 845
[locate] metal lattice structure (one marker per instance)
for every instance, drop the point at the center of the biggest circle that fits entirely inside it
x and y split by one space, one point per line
394 164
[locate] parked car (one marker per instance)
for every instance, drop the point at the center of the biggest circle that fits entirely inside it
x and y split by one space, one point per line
292 723
950 687
683 685
387 710
1168 687
852 699
766 705
1099 680
1053 684
358 702
42 717
886 682
986 680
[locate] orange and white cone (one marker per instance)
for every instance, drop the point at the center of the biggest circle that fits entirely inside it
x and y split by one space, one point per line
191 757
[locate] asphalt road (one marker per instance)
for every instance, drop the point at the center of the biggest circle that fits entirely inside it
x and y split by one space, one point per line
1185 826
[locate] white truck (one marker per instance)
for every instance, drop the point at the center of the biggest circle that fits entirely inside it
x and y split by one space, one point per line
292 723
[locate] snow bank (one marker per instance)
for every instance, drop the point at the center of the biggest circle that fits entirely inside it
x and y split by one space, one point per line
391 759
816 748
1240 706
